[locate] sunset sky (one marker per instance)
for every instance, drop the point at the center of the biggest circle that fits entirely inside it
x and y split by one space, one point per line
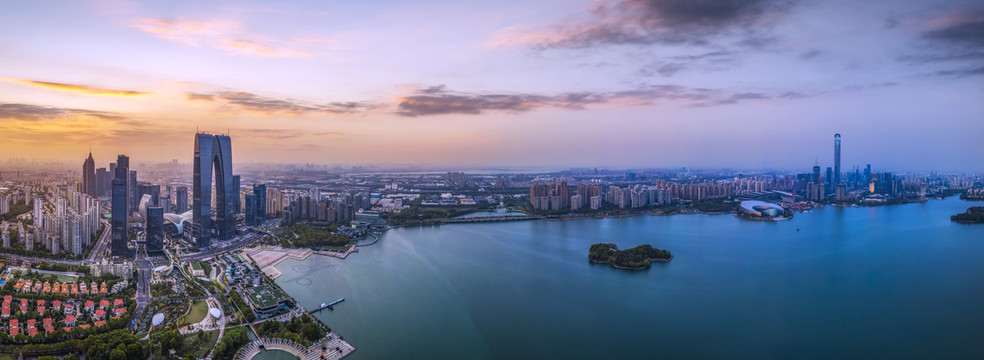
615 83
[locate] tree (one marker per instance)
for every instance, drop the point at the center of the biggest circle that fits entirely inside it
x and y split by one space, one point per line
170 340
311 331
117 354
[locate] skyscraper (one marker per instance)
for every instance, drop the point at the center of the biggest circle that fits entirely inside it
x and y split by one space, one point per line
89 177
155 230
181 199
213 154
119 209
250 203
103 179
237 207
259 190
837 158
133 190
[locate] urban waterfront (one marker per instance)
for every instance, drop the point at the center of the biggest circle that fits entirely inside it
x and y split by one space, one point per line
888 282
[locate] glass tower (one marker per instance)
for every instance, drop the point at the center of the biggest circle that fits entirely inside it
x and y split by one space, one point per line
213 155
837 158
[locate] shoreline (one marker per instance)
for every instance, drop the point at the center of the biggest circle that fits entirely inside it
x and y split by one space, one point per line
630 267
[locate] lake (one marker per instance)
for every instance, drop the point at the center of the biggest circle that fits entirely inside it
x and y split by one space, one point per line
880 282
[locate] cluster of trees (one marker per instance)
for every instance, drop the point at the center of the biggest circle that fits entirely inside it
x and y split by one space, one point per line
15 211
244 309
715 205
974 215
114 345
231 342
303 331
312 236
638 257
415 215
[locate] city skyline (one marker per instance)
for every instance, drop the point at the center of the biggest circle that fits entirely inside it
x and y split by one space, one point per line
758 85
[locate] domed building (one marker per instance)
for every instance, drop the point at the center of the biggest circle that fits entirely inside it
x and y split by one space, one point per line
761 210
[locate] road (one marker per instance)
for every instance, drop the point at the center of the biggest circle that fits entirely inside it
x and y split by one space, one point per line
144 272
99 251
211 252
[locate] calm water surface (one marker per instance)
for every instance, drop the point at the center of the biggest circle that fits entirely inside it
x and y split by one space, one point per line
887 282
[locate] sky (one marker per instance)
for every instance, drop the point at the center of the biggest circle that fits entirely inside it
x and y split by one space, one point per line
603 83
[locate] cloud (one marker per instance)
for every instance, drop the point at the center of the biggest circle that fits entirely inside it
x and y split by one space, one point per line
228 36
954 38
644 22
273 106
82 89
28 112
444 102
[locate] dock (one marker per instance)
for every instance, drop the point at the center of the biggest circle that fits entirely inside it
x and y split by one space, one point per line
329 306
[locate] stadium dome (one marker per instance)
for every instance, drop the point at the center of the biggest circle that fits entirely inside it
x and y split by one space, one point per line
761 209
179 219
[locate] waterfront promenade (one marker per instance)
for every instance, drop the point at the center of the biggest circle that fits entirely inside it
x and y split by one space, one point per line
268 257
330 347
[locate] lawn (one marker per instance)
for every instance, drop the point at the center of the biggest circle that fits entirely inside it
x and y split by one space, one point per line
198 311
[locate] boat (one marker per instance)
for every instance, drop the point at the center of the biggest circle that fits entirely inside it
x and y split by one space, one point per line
331 305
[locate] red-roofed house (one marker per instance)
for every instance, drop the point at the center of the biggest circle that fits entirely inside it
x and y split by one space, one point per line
23 302
69 309
89 305
5 312
31 323
118 302
56 305
69 320
14 331
99 323
67 328
100 314
7 298
23 308
84 326
41 310
41 302
103 303
14 323
32 331
49 329
47 321
120 311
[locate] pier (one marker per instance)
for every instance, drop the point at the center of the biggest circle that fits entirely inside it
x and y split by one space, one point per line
327 306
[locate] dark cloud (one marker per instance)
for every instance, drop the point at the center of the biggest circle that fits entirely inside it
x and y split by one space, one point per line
671 22
253 102
961 72
954 38
810 54
27 112
706 61
965 29
447 102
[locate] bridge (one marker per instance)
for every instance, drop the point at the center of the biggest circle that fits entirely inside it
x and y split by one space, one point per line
330 347
479 219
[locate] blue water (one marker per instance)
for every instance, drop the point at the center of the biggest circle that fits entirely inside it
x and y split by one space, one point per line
886 282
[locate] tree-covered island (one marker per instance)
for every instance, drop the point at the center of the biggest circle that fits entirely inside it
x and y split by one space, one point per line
974 215
639 257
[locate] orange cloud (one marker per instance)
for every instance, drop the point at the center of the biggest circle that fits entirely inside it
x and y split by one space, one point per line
82 89
226 35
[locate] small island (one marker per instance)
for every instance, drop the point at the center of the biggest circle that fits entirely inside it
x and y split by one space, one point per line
639 257
974 215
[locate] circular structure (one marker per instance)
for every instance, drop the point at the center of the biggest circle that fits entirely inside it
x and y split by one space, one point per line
304 281
157 320
216 313
761 209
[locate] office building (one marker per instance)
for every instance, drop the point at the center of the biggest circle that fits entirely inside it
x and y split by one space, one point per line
213 155
181 199
237 201
119 205
259 191
155 230
89 183
250 203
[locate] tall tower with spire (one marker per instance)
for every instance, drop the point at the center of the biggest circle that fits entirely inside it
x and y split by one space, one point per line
837 159
89 186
